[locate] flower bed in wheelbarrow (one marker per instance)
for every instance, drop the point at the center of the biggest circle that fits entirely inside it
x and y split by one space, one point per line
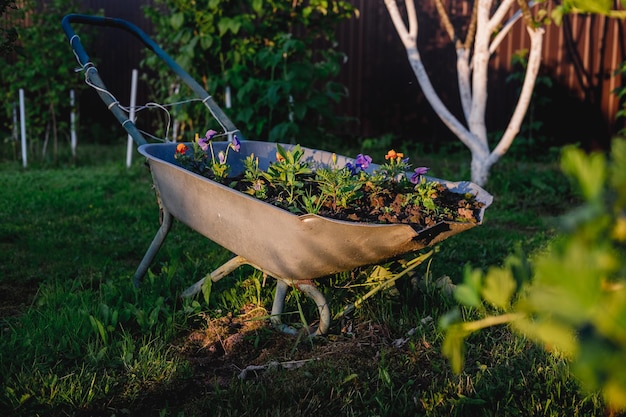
299 214
352 190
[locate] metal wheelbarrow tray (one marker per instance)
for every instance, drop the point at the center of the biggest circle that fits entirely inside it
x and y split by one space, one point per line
294 249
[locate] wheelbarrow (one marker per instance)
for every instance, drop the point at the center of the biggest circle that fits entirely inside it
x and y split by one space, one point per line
294 249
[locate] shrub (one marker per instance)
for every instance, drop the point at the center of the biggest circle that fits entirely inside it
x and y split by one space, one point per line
278 58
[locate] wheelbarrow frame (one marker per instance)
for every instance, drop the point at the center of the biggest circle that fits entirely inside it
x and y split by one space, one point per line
179 191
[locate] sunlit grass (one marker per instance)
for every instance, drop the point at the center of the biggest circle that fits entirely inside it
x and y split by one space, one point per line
78 339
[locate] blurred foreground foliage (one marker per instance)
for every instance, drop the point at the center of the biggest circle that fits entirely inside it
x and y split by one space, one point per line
570 299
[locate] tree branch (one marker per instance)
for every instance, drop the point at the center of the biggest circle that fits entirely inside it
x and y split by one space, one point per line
410 43
480 70
471 29
444 19
499 14
532 69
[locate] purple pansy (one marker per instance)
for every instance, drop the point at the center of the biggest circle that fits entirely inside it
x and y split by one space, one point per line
415 178
350 166
203 143
363 161
222 157
360 163
210 133
236 145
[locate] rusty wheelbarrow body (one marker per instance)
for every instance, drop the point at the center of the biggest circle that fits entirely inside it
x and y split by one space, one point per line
294 249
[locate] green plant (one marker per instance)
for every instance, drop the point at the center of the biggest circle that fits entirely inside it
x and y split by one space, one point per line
253 175
277 57
198 160
600 7
287 172
387 194
337 185
42 69
571 298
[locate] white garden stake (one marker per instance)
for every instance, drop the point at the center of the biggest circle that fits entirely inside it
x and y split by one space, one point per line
73 124
23 127
228 103
131 116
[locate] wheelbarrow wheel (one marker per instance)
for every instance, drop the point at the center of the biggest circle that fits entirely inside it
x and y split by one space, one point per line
310 290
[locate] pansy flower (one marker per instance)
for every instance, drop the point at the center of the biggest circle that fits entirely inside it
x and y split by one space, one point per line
181 148
236 144
415 178
350 167
203 143
222 157
360 163
257 185
210 133
393 155
363 161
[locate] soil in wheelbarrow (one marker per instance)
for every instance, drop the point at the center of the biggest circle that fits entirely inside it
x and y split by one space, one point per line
393 204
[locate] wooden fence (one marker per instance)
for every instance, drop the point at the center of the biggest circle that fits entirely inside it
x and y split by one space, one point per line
580 58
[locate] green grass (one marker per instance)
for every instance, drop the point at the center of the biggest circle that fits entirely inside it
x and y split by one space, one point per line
78 339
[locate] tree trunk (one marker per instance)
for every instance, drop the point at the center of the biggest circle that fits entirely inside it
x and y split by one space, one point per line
480 167
473 67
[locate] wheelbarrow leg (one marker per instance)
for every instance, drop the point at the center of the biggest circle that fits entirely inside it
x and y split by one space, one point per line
216 275
166 224
307 287
310 290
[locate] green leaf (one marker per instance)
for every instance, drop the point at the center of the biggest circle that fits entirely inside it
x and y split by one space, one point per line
384 376
429 203
282 152
227 24
466 295
379 273
177 20
206 289
593 6
206 42
99 328
552 334
618 169
453 347
498 288
349 378
588 170
257 6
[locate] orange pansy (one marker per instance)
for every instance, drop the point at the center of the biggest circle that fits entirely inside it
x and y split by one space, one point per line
392 154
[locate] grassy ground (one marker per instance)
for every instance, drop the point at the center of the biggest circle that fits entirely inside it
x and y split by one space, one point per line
78 339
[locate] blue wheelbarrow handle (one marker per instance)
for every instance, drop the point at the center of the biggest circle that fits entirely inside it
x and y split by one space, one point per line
92 74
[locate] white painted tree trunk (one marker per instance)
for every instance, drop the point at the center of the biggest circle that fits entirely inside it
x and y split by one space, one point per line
472 79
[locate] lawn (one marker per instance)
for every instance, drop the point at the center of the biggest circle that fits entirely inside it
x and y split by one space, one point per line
78 339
